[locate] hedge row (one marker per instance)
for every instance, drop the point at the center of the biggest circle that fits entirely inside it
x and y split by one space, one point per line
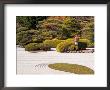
52 43
69 46
37 46
60 45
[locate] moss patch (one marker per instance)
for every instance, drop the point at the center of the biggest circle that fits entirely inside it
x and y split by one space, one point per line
72 68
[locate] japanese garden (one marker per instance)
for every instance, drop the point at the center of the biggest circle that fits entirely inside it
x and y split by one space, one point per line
55 37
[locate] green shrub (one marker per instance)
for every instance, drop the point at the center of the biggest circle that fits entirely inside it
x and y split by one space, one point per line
81 41
68 45
71 48
45 47
63 46
70 39
32 47
88 42
91 45
36 46
37 38
85 41
82 45
52 43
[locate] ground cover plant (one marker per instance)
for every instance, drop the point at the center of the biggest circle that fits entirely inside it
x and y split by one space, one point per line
72 68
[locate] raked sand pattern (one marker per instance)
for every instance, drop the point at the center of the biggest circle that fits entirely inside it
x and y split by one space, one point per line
37 63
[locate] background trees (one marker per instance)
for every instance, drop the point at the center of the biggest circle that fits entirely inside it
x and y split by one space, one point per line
28 21
36 29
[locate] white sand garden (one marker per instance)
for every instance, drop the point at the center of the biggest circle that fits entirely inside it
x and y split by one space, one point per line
37 62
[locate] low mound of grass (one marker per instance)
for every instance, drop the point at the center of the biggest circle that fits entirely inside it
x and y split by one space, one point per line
72 68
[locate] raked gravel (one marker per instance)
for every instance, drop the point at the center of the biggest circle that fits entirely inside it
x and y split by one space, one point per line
37 62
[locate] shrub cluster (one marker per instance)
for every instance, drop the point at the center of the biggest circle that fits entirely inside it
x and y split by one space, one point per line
36 46
52 43
60 45
65 46
68 45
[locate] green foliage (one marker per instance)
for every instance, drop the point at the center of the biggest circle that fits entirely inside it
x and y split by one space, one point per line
23 38
45 47
32 47
85 41
87 26
30 36
52 43
82 45
68 45
36 46
21 29
27 21
70 39
72 68
30 22
91 45
72 48
63 46
64 28
38 29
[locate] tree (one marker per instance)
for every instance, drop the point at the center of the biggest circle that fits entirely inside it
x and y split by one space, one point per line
64 26
29 21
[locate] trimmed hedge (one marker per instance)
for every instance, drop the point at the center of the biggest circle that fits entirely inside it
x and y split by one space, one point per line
37 46
68 45
63 46
60 45
82 45
52 43
70 39
72 48
82 40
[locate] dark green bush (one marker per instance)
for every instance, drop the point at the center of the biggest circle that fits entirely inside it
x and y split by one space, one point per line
30 36
85 41
37 46
52 43
82 45
23 38
21 29
37 38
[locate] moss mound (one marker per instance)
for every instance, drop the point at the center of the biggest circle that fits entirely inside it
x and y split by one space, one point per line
72 68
